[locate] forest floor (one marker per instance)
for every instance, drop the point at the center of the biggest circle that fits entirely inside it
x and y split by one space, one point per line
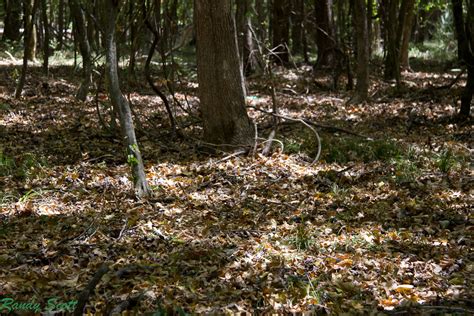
381 223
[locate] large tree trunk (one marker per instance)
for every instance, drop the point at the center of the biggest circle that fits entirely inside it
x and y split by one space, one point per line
221 82
360 21
79 19
12 22
119 103
281 31
464 34
325 32
29 12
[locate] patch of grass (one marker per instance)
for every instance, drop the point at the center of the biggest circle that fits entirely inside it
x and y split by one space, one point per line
7 165
447 160
406 170
292 147
28 196
29 166
343 150
302 238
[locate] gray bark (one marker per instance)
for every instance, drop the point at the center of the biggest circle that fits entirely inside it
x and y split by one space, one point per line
119 103
221 82
84 47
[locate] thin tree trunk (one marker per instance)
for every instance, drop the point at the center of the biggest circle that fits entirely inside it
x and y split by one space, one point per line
297 20
370 4
29 11
44 12
406 34
261 18
221 82
465 51
133 43
325 32
60 35
392 60
360 21
134 157
32 38
78 16
240 12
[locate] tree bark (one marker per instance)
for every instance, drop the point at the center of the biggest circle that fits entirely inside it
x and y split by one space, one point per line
325 32
297 21
120 104
12 22
79 19
392 60
29 11
360 21
32 38
406 34
60 23
281 31
221 82
46 52
464 34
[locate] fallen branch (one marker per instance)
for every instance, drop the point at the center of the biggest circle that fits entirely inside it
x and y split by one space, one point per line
86 293
453 82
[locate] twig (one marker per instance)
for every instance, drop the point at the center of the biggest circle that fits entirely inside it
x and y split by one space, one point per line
453 82
85 294
237 153
295 120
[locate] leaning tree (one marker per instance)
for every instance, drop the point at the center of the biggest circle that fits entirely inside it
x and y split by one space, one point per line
110 9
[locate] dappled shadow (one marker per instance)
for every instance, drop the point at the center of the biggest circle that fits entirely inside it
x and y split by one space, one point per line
256 234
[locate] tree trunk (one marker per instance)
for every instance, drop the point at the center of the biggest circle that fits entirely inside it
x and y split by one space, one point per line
370 7
392 60
12 22
297 20
360 22
44 14
60 23
119 102
132 76
325 32
464 34
280 31
32 39
29 11
221 82
406 34
79 19
240 12
251 64
261 20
